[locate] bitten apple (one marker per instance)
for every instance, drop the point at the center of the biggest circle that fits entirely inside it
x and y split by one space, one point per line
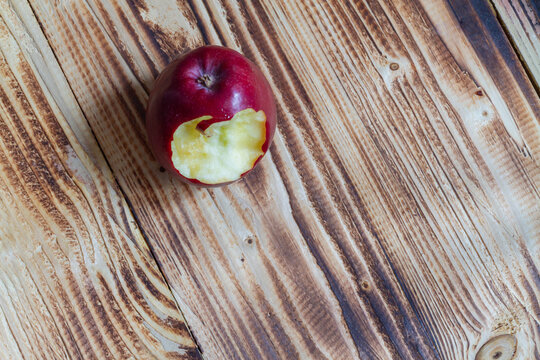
211 116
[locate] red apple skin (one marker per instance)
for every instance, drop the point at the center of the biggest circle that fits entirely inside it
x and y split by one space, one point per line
180 95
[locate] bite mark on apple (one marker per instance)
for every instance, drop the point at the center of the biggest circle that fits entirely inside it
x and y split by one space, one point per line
223 151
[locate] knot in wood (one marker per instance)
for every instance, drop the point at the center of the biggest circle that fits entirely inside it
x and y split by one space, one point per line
249 240
501 347
365 285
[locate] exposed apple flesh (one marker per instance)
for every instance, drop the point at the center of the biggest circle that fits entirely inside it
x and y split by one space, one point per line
211 116
223 151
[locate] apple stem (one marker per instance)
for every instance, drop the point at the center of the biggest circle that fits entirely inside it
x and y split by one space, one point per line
205 80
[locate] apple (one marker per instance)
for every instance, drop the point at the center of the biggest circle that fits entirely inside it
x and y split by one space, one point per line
211 116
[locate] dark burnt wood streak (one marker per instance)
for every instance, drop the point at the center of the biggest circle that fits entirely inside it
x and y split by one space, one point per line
77 279
396 216
521 20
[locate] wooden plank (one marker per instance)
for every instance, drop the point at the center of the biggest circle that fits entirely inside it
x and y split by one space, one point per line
521 18
502 70
397 215
77 279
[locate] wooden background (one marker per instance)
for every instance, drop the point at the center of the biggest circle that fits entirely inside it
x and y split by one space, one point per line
396 216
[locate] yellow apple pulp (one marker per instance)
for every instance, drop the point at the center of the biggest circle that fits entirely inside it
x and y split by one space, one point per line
224 151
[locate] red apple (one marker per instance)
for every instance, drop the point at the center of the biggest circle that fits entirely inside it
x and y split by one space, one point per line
211 116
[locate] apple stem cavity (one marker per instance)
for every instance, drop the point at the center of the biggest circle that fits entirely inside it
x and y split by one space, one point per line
205 80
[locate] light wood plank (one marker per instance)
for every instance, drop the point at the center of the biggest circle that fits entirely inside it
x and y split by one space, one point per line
397 215
77 279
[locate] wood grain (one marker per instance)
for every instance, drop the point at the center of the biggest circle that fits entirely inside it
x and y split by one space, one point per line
398 213
521 19
77 279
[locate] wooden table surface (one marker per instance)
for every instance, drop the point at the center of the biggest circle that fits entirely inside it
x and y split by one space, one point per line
397 215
